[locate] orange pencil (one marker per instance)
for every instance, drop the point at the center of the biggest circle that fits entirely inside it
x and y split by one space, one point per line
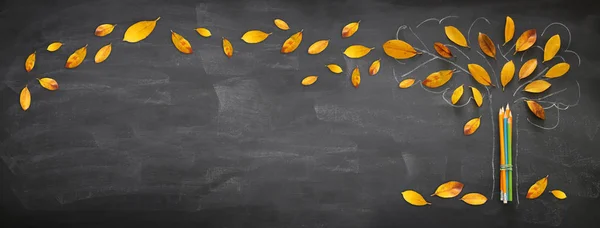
502 159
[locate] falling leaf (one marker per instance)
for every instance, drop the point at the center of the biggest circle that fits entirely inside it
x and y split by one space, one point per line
30 62
477 96
309 80
48 83
414 198
104 29
456 36
227 48
406 83
76 58
471 126
54 46
374 68
255 36
355 77
457 94
357 51
487 45
527 68
292 43
559 194
25 98
537 189
442 50
526 40
551 47
437 79
281 24
181 43
350 29
558 70
204 32
334 68
398 49
537 86
480 74
449 189
474 199
507 73
139 31
103 53
536 108
318 47
509 29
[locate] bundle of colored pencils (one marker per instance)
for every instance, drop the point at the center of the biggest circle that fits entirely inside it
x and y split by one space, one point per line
505 130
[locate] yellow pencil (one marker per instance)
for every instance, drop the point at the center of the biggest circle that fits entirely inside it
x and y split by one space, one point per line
502 162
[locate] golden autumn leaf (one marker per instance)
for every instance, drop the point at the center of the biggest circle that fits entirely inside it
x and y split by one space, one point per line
54 46
334 68
471 126
558 70
25 98
48 83
355 78
227 47
449 189
357 51
318 47
350 29
30 62
406 83
204 32
255 36
309 80
103 53
139 31
474 199
551 48
374 68
527 68
455 36
442 50
480 74
477 96
507 73
457 94
509 29
537 188
414 198
181 43
559 194
537 86
281 24
487 45
536 109
76 58
292 43
104 29
526 40
398 49
437 79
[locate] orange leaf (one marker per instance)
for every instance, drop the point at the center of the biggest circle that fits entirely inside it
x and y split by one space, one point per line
357 51
449 189
486 45
48 83
204 32
406 83
355 77
309 80
437 79
398 49
551 47
509 29
292 43
255 36
526 40
104 29
474 199
139 31
414 198
456 36
537 188
477 96
181 43
480 74
471 126
334 68
318 47
374 68
536 108
559 194
30 62
25 98
281 24
537 86
54 46
442 50
527 68
227 48
76 58
103 53
507 73
350 29
457 94
558 70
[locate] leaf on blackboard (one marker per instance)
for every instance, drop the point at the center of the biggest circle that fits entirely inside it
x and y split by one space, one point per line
559 194
48 83
536 109
181 43
292 43
509 29
406 83
558 70
507 73
526 40
103 53
374 68
414 198
480 74
487 45
309 80
477 96
204 32
357 51
457 94
399 49
474 199
281 24
255 36
537 188
139 31
334 68
25 98
76 58
527 68
442 50
437 79
30 62
355 78
104 29
54 46
350 29
471 126
227 48
449 189
537 86
456 36
551 48
318 47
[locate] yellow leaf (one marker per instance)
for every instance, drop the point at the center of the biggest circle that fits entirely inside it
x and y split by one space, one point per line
255 36
357 51
104 29
558 70
537 86
76 58
457 94
507 73
455 36
509 29
526 40
551 47
309 80
30 62
103 53
355 77
374 68
350 29
477 96
227 48
398 49
527 68
480 74
54 46
437 79
292 43
442 50
536 108
537 189
318 47
487 45
281 24
181 43
471 126
449 189
406 83
474 199
139 31
559 194
48 83
414 198
25 98
204 32
334 68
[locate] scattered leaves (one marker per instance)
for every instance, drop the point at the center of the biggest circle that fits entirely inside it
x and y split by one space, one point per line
507 73
437 79
374 68
54 46
474 199
471 126
355 77
357 51
457 94
399 49
487 45
406 83
292 43
48 83
551 48
350 29
309 80
25 98
227 48
255 36
480 74
537 188
455 36
526 40
334 68
537 86
181 43
442 50
104 29
30 62
414 198
76 58
527 68
558 70
139 31
559 194
318 47
449 189
204 32
509 29
536 109
477 96
281 24
103 53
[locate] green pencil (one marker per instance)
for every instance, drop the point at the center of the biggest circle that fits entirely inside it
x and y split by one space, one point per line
510 165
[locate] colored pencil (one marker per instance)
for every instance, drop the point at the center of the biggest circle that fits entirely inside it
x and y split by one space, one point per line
505 154
510 164
501 132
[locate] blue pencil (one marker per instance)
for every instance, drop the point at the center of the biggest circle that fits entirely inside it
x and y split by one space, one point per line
505 149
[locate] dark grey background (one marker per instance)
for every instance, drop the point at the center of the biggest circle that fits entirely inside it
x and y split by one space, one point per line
156 138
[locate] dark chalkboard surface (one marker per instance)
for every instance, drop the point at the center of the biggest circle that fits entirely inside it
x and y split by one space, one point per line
157 138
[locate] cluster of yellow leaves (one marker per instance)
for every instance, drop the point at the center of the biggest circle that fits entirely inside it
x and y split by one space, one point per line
446 190
539 187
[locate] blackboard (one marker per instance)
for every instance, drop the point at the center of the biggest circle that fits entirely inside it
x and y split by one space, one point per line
157 138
